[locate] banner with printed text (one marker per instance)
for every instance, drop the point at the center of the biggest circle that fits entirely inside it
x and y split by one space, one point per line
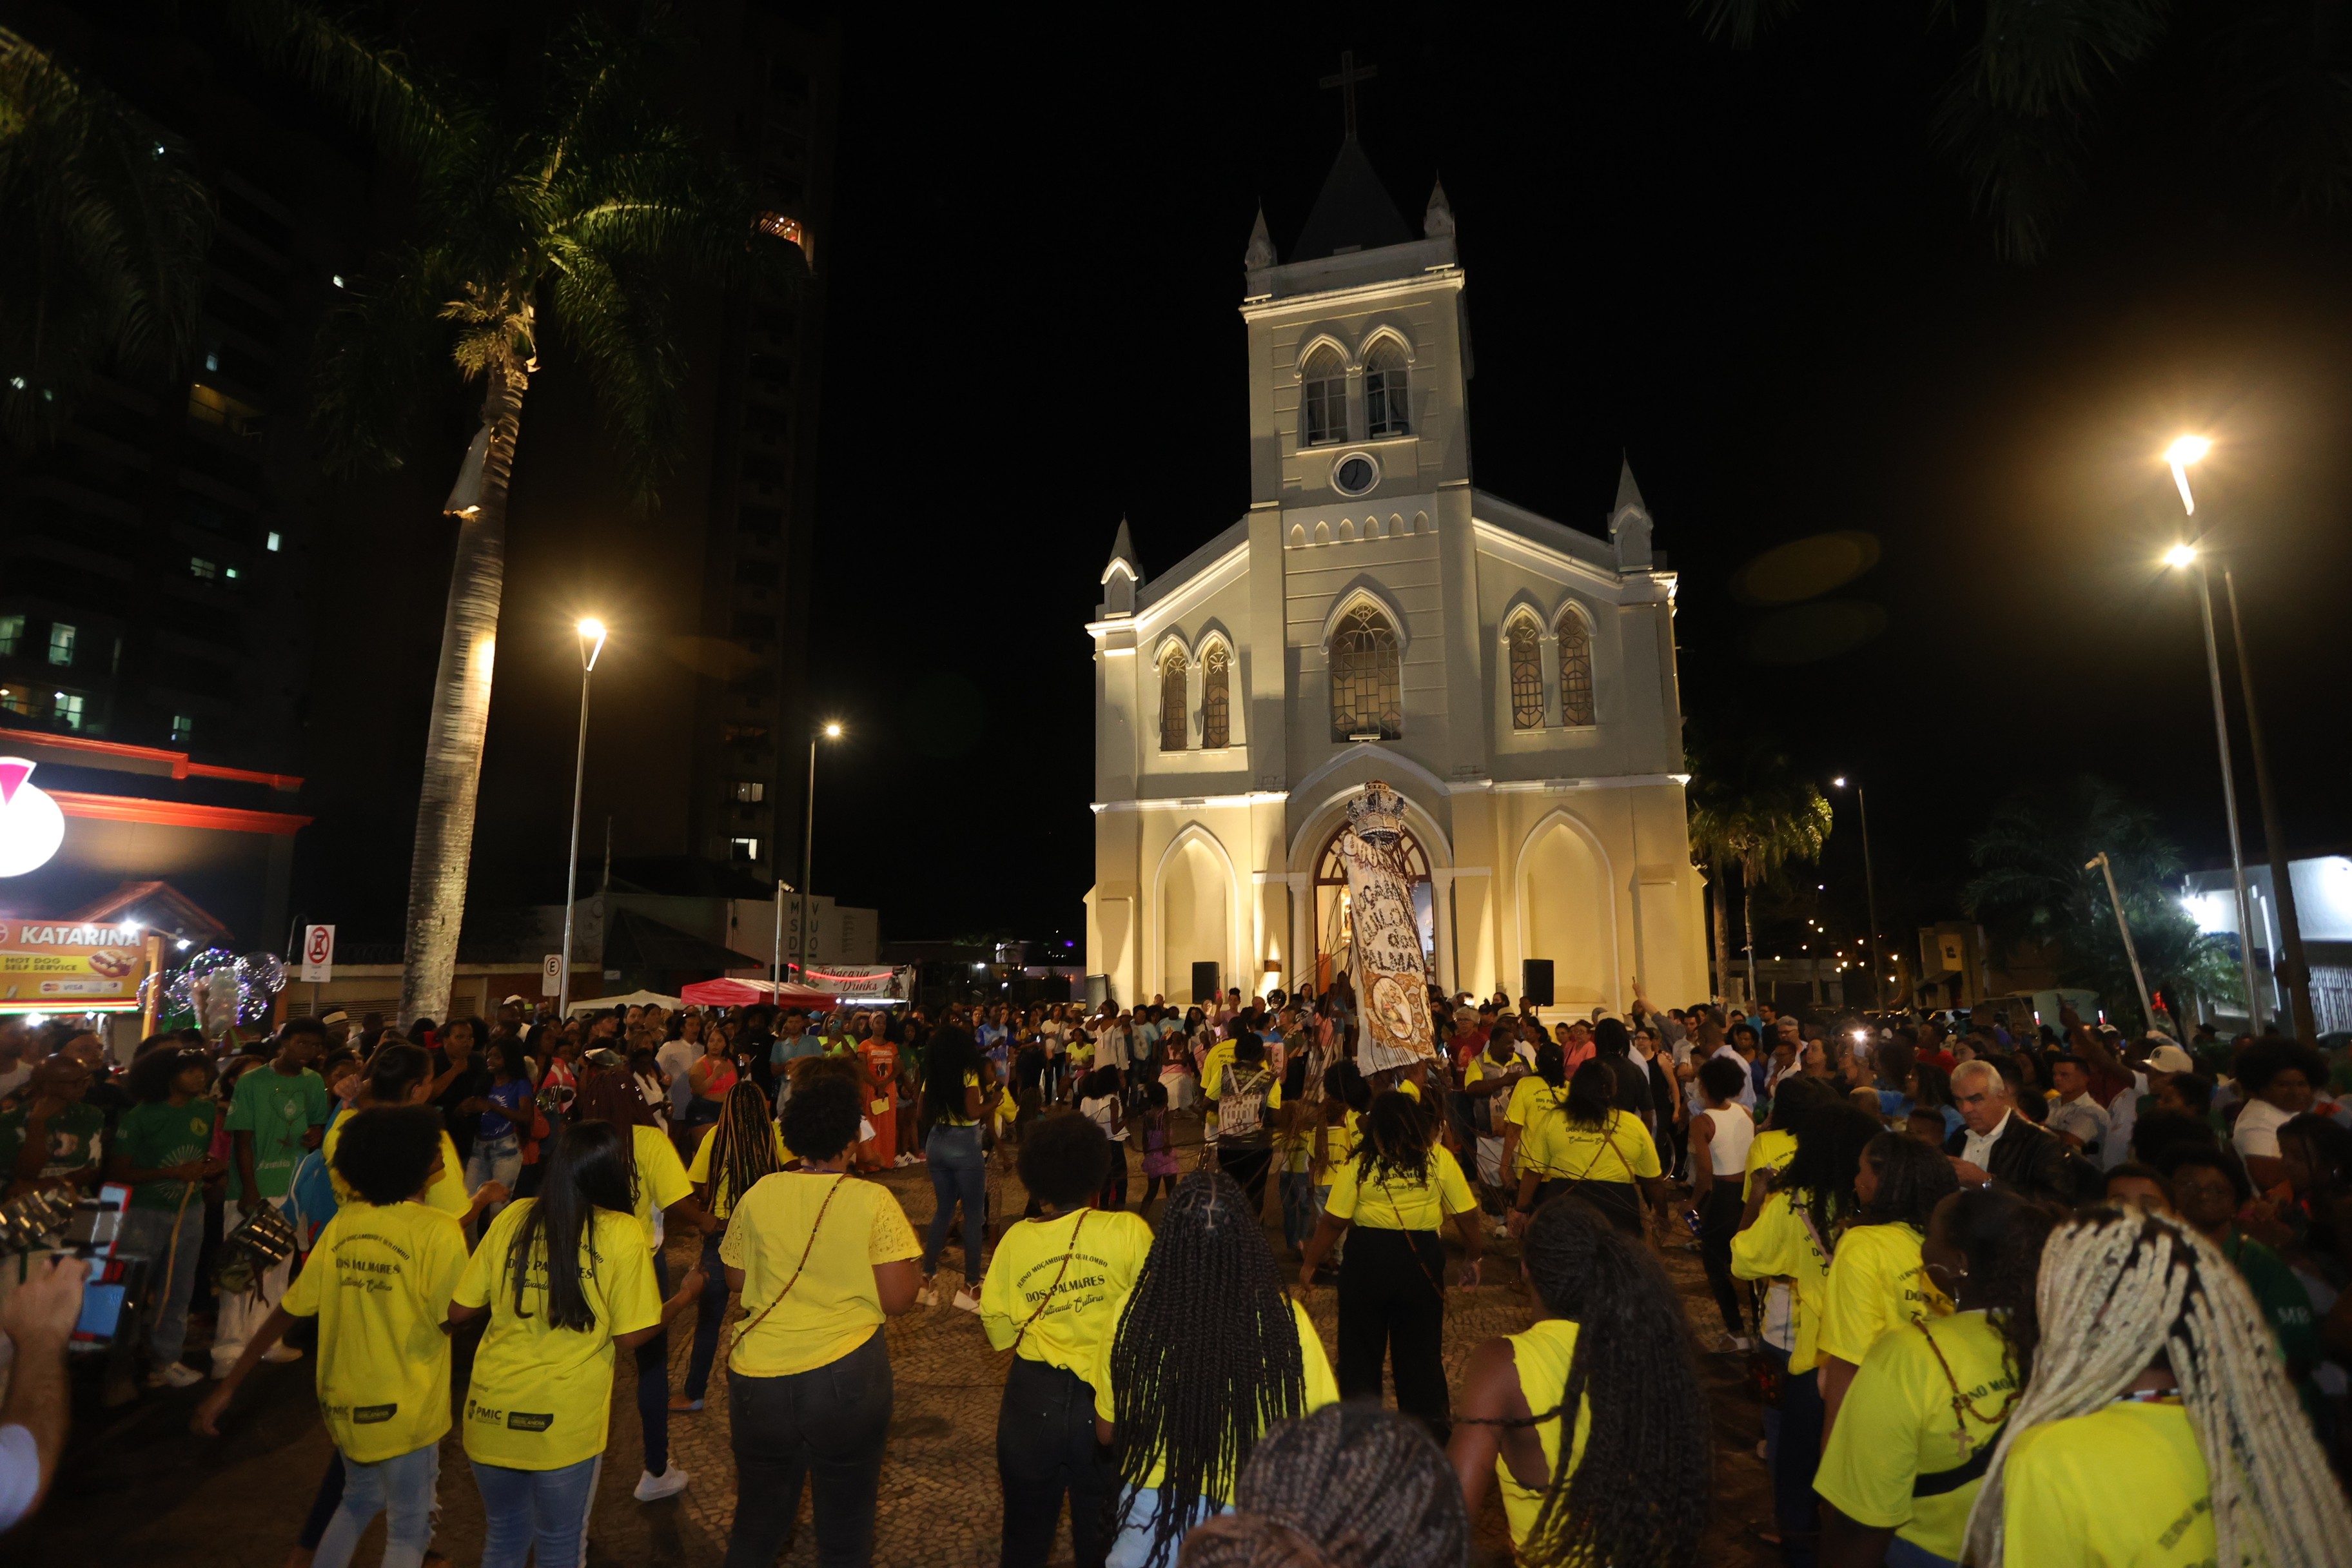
64 967
1392 983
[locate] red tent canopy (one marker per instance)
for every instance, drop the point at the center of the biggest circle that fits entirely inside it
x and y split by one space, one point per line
732 993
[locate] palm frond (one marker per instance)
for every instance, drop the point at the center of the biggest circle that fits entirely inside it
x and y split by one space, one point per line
618 325
420 119
1740 23
380 353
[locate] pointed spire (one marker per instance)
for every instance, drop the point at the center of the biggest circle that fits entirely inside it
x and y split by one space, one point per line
1628 492
1260 254
1439 218
1630 522
1122 576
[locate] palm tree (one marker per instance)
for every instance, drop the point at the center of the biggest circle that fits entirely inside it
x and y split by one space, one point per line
2032 887
575 208
1749 809
103 228
2259 82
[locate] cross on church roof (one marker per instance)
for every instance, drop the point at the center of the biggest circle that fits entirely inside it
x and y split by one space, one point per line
1345 79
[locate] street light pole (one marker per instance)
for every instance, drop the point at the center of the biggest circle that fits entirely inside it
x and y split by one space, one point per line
2114 900
831 732
2298 972
592 644
1870 893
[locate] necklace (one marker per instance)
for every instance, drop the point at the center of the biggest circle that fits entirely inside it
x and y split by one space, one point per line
1963 1408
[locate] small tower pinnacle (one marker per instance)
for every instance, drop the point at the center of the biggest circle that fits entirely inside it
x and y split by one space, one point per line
1259 256
1439 218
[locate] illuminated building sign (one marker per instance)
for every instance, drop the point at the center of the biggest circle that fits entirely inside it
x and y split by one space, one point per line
31 825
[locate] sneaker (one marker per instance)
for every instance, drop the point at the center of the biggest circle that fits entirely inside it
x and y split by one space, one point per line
282 1354
652 1488
177 1374
1732 1345
929 1296
682 1406
966 1301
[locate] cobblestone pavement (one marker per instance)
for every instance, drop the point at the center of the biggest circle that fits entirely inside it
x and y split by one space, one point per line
138 1489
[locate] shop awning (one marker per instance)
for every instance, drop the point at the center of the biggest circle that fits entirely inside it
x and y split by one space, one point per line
733 993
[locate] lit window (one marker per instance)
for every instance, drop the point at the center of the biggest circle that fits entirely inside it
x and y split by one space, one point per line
742 851
61 643
1526 673
750 791
1387 410
1575 668
204 571
182 726
211 359
272 543
1173 720
229 573
210 405
1367 679
17 699
1217 698
67 710
1325 408
12 632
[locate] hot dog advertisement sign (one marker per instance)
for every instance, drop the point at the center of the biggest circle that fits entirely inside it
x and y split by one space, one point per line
58 964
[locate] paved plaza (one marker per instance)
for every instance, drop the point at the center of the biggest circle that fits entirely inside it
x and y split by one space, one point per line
137 1489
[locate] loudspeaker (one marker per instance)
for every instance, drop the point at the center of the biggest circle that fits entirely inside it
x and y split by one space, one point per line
1535 981
1205 982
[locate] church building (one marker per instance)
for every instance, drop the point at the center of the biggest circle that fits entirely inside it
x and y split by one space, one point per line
1376 615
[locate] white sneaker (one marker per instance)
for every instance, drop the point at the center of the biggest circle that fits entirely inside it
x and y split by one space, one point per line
282 1354
929 1296
176 1375
652 1488
1734 1345
967 1302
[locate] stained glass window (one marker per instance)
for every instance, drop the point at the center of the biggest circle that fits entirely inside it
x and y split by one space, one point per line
1526 673
1171 700
1367 679
1575 668
1216 698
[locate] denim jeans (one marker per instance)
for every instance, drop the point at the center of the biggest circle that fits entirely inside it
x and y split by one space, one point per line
653 1382
1045 1447
959 1176
545 1511
826 1425
147 1233
709 1314
401 1489
1297 1208
1901 1553
496 1159
1132 1548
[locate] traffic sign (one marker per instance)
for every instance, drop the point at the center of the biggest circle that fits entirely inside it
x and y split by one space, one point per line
317 954
551 973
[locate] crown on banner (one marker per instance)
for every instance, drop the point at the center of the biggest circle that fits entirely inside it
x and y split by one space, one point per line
1378 814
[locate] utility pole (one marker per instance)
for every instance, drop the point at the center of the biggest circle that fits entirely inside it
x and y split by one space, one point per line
2298 972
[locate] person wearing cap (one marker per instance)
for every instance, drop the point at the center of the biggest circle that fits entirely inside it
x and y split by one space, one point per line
337 1025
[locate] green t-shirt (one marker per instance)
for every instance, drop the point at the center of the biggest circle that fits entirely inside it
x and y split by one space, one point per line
158 1136
74 1133
278 1110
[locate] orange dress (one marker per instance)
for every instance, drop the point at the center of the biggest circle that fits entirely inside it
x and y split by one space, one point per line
880 1152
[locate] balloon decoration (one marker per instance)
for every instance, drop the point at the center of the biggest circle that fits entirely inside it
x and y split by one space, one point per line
216 988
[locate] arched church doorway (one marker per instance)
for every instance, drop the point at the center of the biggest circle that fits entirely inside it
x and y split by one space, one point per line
1334 934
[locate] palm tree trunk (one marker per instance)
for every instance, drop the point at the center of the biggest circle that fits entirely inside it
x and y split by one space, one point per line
1747 925
1717 895
461 710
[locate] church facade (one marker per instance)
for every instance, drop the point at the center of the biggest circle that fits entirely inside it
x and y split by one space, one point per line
1372 615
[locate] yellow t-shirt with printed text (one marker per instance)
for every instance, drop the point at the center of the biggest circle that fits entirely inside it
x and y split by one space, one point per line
1898 1422
1780 1245
661 1177
541 1395
1556 1149
1771 1149
2122 1484
1066 1308
834 1306
1321 1388
1876 1283
448 1194
1533 1102
379 1282
1395 1202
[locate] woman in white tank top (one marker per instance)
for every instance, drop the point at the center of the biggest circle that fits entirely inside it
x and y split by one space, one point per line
1720 1137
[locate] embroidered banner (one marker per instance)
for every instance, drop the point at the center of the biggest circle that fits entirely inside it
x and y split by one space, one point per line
1392 977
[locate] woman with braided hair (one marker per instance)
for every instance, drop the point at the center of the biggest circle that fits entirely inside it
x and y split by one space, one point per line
1631 1485
743 1145
1918 1424
1352 1485
1592 1150
1876 1281
1208 1352
2156 1365
1395 1191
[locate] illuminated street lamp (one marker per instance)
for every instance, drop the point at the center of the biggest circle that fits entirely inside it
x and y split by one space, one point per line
1870 890
592 635
830 731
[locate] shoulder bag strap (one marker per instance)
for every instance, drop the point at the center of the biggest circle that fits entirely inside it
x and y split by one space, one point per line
745 1332
1047 1299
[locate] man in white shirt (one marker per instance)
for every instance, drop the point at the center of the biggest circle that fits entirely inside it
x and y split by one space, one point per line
2278 1079
676 1058
2075 1116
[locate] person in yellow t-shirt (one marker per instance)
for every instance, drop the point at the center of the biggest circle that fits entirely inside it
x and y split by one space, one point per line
379 1282
567 1280
1609 1341
1207 1352
1388 1201
1920 1419
959 1091
1875 1281
2106 1459
1791 1233
1541 1094
742 1148
662 1196
1600 1155
1051 1293
402 1075
821 1257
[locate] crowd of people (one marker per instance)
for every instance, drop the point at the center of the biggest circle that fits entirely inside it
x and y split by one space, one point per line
1979 1269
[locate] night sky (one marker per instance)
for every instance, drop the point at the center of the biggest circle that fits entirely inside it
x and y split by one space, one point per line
1751 272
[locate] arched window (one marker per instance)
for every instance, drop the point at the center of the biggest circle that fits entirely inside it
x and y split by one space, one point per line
1323 413
1387 405
1575 668
1366 682
1171 700
1526 642
1216 698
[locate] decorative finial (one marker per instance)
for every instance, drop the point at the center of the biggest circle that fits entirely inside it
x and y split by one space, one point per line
1260 254
1439 218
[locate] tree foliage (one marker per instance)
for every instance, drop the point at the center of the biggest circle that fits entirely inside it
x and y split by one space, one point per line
1750 808
2033 885
103 229
582 206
